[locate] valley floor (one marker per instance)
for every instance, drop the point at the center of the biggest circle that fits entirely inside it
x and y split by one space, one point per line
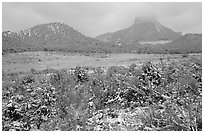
24 62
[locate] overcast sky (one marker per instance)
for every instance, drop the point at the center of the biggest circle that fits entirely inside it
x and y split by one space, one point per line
93 19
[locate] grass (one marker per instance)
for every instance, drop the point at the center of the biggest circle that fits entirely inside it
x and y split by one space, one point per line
56 60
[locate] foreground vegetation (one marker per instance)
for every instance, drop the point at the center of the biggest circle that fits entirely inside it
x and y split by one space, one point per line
161 97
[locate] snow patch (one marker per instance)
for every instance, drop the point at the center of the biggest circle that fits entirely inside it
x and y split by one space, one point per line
156 42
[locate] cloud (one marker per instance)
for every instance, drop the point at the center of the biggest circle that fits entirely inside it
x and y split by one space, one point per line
19 18
93 19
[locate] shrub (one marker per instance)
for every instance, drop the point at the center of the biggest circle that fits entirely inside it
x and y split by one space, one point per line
162 97
184 55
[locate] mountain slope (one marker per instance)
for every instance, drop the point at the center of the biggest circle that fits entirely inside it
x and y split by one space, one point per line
188 43
11 40
144 29
61 37
52 36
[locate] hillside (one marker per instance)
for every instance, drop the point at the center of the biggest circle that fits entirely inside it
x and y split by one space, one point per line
188 43
143 29
61 37
52 37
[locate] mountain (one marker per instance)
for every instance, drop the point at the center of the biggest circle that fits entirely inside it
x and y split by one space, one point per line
143 29
11 40
61 37
52 37
188 43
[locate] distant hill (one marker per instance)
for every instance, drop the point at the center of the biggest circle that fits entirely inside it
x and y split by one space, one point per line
52 37
143 29
61 37
11 42
188 43
147 35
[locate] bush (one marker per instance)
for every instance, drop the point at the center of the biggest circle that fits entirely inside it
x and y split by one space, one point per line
184 55
161 97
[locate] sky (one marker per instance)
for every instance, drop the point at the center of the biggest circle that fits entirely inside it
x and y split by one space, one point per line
93 19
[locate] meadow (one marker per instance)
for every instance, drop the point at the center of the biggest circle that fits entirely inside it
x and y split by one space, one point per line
25 61
101 92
